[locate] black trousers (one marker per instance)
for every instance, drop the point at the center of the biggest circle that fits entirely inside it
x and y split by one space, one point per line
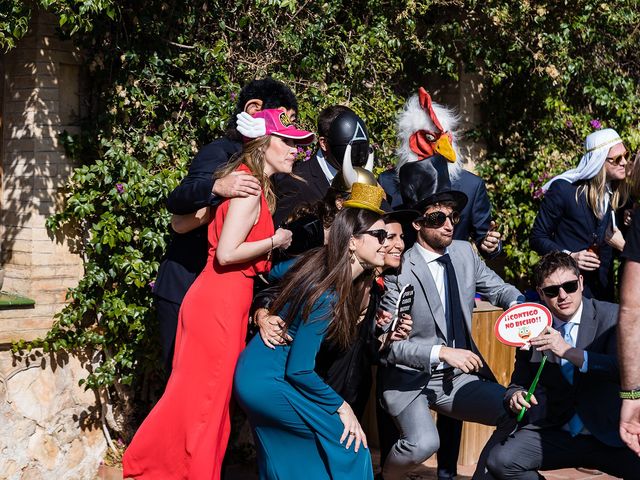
525 452
167 312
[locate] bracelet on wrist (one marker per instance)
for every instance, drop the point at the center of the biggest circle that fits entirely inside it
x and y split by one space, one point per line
630 394
271 237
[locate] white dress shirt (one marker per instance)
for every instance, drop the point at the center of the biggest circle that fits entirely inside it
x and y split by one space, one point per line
437 272
575 318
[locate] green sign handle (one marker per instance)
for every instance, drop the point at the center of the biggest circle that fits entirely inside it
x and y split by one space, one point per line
532 388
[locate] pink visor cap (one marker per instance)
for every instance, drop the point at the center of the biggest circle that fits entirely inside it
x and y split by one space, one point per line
277 122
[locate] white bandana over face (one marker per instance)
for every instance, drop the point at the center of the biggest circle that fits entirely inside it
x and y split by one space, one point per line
596 145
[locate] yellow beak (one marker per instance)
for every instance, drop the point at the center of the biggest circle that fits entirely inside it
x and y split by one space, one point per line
444 148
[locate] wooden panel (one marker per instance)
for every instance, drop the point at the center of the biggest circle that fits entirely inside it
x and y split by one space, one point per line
500 358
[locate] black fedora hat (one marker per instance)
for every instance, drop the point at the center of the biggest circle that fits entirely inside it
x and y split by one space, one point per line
403 217
426 183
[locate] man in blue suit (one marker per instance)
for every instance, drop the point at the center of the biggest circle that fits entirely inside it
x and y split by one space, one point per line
573 416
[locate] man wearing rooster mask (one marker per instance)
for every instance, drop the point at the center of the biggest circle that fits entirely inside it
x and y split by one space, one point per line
439 365
437 137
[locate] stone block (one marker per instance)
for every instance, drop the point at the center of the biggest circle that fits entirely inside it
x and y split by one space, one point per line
20 145
15 81
69 443
43 449
21 168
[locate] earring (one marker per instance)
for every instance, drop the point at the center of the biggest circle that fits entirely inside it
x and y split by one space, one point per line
352 256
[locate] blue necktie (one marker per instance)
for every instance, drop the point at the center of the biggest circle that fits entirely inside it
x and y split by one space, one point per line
567 368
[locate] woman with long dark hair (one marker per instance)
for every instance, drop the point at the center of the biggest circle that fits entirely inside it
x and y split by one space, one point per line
185 435
291 409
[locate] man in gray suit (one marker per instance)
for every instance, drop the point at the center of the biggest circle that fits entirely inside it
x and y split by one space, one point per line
574 413
439 365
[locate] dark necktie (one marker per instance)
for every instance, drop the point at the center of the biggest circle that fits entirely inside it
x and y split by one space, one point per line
455 319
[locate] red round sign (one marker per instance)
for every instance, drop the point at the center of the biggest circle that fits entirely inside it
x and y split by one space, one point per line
522 322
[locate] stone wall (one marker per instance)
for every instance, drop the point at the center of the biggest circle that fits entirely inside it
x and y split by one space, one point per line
49 425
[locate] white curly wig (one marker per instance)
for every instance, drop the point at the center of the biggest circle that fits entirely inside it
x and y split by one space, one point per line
413 118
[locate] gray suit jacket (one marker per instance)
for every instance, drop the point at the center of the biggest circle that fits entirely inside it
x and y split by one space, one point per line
408 367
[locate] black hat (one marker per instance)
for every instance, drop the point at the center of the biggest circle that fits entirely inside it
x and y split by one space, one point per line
349 129
426 183
403 217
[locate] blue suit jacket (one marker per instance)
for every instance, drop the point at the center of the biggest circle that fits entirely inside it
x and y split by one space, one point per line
563 223
594 394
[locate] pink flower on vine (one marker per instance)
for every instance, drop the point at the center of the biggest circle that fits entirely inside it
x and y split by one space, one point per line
120 188
569 124
152 284
233 96
538 193
595 124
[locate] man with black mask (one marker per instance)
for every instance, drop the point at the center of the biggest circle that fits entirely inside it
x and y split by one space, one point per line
338 126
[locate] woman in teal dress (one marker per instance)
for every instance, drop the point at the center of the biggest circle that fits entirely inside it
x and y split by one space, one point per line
302 427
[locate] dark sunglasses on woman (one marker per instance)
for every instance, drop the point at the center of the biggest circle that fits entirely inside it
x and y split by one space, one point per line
617 160
380 234
552 291
438 219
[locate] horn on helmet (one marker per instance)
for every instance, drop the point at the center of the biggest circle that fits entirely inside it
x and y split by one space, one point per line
369 164
349 174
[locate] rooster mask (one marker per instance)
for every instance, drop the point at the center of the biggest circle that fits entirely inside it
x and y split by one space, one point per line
427 154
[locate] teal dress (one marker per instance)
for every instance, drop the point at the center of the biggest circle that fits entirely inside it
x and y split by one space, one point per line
293 411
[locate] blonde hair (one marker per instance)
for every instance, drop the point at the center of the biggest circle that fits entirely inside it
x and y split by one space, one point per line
632 181
253 156
595 190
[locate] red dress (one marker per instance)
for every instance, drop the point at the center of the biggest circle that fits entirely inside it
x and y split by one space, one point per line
185 435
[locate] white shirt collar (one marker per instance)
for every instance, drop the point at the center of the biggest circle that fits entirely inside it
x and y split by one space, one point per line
324 166
575 318
428 255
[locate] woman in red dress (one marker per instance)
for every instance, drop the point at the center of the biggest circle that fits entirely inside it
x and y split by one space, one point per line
185 435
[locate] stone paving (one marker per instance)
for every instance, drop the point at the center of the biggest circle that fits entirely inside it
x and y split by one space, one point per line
426 472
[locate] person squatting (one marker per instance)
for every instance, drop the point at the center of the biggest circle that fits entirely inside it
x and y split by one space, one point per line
340 249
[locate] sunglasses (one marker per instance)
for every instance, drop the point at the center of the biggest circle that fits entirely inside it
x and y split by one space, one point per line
380 234
552 291
438 219
617 160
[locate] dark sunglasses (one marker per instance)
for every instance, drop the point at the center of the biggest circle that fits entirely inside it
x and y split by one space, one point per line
617 160
380 234
552 291
438 219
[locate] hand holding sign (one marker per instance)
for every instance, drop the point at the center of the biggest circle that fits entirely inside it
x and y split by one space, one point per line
516 327
403 305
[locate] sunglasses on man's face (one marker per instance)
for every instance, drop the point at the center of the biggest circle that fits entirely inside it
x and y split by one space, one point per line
438 219
552 291
380 234
617 160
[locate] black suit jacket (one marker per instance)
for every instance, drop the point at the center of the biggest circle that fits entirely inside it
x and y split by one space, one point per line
186 254
593 395
292 192
563 223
